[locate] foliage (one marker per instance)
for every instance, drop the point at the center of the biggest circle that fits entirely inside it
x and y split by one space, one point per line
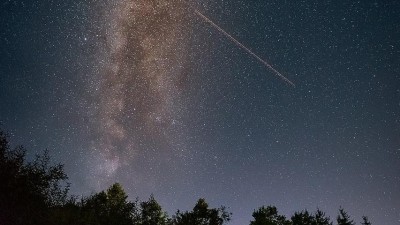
108 207
202 215
268 216
151 213
343 218
33 193
321 219
28 190
302 218
305 218
365 221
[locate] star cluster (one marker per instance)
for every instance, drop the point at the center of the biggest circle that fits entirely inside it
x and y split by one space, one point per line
138 104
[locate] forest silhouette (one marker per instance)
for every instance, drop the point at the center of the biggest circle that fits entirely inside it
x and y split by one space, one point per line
33 193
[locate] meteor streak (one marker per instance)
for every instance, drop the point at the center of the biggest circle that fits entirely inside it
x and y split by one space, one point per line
243 47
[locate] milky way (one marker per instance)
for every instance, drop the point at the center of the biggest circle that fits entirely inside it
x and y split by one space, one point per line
138 104
148 94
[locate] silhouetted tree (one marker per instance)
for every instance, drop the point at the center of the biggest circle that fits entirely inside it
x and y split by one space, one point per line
28 190
365 221
202 215
268 216
343 218
33 193
151 213
303 218
109 207
67 214
321 219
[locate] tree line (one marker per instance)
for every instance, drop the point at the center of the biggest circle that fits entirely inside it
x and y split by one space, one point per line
36 192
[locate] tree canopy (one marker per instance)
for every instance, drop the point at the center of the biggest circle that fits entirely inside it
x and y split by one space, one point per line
151 213
343 218
28 189
268 216
306 218
36 192
202 215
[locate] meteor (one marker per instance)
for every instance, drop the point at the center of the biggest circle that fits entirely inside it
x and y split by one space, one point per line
234 40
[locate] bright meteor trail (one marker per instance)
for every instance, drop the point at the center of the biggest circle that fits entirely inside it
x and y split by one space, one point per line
243 47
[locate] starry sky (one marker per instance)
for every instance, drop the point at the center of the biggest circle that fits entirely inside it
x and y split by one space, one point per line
148 94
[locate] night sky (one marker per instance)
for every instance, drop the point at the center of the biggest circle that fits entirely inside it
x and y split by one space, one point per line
148 94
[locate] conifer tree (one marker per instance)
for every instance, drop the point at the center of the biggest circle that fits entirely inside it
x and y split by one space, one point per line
343 218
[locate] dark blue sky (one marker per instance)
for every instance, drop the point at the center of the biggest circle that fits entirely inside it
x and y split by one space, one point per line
157 99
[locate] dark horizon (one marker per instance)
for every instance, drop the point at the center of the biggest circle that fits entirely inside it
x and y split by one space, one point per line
151 96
